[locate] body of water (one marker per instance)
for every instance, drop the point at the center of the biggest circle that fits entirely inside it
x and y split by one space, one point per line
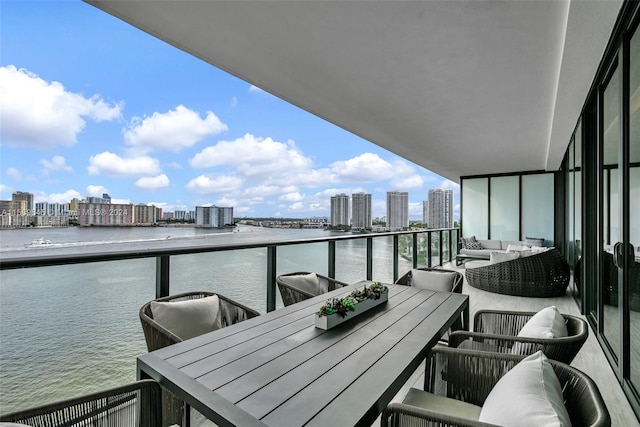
71 330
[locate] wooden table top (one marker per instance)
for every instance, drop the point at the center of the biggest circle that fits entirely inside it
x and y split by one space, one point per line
278 369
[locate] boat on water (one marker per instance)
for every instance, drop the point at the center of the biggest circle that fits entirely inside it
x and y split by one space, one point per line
39 242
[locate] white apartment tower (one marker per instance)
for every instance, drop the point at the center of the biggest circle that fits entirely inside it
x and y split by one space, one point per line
397 210
440 208
339 210
361 210
213 216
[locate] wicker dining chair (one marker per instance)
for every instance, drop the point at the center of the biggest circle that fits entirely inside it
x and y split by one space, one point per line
292 292
157 336
133 405
455 285
497 330
456 380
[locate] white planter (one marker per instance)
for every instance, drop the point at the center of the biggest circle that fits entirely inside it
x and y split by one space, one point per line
328 322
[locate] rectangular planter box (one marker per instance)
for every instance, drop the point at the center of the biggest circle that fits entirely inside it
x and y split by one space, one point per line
328 322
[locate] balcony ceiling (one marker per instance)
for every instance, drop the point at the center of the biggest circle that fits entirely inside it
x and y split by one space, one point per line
460 87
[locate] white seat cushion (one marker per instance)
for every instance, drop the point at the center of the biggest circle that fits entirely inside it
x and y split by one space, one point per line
547 323
529 395
305 282
442 405
433 280
188 318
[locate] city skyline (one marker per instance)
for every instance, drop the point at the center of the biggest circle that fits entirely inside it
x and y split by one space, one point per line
91 106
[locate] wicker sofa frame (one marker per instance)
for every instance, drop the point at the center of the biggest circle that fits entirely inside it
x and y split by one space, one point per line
157 336
495 330
132 405
291 294
469 376
545 274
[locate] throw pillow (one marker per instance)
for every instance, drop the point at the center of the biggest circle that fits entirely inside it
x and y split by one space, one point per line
466 241
305 282
517 248
534 241
433 280
529 395
475 245
546 323
188 318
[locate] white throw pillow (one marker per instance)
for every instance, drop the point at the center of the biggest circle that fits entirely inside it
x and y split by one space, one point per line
496 257
517 248
433 280
547 323
304 282
188 318
529 395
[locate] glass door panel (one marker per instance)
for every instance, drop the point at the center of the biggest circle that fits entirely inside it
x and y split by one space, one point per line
610 226
634 208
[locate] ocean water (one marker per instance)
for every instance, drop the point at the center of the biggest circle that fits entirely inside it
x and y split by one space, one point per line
71 330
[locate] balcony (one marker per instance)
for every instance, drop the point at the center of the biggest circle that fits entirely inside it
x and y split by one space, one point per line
81 333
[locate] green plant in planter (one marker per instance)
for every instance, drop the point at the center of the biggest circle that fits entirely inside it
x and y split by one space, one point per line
341 306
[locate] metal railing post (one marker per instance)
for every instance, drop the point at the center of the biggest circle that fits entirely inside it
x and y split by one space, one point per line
415 250
369 258
271 277
162 276
429 251
331 262
395 257
440 245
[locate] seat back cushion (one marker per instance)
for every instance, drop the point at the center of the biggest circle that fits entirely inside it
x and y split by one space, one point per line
546 323
534 241
529 395
433 280
497 257
491 244
304 282
188 318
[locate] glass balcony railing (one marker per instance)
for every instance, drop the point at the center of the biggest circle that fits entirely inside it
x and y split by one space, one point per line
69 323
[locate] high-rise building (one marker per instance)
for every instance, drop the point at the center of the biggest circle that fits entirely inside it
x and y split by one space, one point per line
339 210
440 208
213 216
425 213
361 210
26 197
397 210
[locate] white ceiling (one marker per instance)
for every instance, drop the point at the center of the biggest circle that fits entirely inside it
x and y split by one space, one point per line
460 87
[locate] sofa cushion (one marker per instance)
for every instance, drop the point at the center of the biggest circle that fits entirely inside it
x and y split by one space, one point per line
441 281
529 395
497 256
546 323
534 241
517 248
188 318
491 244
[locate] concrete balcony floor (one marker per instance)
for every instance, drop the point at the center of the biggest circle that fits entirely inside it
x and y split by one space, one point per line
590 360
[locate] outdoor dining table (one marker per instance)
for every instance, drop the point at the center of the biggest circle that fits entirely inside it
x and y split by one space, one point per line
278 369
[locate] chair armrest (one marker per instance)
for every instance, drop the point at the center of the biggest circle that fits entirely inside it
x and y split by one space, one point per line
400 414
500 322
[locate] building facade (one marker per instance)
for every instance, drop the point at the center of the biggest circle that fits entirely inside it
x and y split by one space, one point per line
339 210
105 214
18 196
397 210
214 216
440 208
361 211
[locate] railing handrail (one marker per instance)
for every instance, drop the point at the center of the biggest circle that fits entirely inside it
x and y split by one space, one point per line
68 259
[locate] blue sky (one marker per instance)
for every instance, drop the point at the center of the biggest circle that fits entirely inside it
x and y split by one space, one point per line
91 105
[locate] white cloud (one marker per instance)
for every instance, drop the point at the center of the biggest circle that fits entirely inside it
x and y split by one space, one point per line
411 182
96 190
292 197
450 185
41 114
175 165
254 156
153 182
367 167
171 131
214 185
14 174
114 165
57 163
255 89
63 197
